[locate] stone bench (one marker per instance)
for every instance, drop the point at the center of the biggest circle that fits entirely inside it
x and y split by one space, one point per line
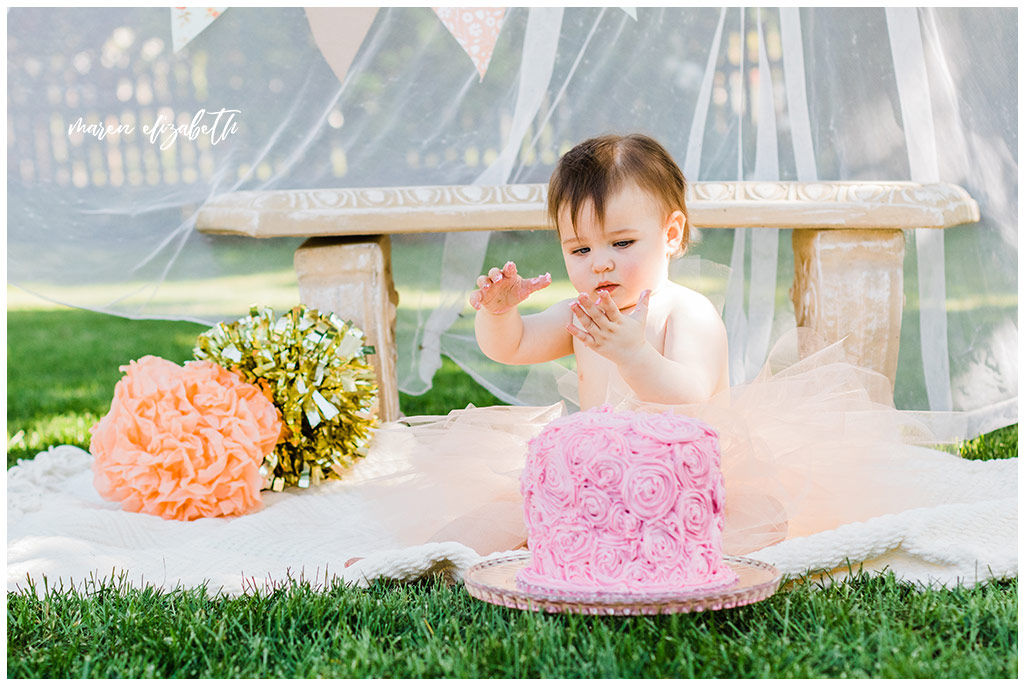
848 246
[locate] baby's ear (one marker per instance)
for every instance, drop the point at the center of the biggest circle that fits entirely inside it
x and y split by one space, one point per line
674 231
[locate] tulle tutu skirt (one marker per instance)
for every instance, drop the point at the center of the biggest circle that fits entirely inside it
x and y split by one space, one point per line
811 444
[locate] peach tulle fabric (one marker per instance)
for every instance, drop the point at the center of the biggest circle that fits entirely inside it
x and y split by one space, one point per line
808 446
183 442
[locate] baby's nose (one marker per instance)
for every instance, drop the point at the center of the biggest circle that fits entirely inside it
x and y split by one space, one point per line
602 262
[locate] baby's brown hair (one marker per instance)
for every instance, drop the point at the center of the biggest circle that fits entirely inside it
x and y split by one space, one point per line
599 167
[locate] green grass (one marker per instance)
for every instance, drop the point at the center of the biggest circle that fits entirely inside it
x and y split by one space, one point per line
865 627
62 367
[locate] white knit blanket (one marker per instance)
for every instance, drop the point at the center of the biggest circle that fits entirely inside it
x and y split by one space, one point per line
60 530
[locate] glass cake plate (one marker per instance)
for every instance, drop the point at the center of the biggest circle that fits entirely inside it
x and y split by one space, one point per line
494 581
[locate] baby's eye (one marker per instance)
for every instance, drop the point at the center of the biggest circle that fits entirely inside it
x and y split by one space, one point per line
581 251
623 244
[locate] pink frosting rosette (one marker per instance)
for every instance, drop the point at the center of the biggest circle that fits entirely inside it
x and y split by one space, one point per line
611 554
578 573
529 478
534 513
605 471
662 543
667 427
599 417
544 443
557 484
183 442
702 562
649 489
608 564
638 575
541 566
650 448
696 510
581 449
595 506
569 542
694 461
623 522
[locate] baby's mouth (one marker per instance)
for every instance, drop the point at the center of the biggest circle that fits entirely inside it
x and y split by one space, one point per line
609 287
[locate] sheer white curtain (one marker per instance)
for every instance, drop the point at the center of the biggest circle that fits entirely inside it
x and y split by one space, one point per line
734 93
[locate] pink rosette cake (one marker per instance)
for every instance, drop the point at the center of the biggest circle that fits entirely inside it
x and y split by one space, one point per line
624 502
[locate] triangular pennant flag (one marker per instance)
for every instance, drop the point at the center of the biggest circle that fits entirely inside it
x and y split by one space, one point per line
187 22
476 29
631 11
338 32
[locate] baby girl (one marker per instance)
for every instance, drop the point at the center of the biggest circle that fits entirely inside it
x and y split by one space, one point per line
619 207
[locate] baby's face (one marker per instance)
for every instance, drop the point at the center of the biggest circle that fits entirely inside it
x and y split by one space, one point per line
626 255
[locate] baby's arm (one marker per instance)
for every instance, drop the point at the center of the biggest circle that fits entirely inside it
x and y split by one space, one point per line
507 337
694 364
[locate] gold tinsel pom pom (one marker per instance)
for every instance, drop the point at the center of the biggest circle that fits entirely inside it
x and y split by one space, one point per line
314 365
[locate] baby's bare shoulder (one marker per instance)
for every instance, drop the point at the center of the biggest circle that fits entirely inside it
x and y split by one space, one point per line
690 307
695 335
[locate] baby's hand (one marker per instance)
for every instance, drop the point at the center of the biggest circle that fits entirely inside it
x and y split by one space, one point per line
502 289
607 331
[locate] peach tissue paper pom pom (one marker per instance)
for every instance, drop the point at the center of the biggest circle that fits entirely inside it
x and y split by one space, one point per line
184 442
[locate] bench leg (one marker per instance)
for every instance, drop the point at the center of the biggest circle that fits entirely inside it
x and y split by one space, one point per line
352 277
850 283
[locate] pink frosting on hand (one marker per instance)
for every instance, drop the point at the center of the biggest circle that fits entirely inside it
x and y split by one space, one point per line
624 502
183 442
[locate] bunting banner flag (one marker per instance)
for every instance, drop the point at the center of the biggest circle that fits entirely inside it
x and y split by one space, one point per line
188 22
476 29
338 32
631 11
